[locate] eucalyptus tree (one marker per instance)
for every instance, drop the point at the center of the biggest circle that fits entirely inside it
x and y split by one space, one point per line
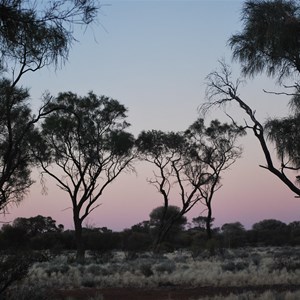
160 216
166 151
268 43
85 147
213 150
189 163
223 90
32 35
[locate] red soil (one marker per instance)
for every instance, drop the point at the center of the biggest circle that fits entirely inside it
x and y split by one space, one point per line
165 293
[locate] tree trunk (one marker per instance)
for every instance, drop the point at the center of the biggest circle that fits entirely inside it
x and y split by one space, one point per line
208 222
80 251
163 232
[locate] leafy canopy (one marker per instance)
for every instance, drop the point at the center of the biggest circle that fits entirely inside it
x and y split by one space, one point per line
16 136
270 38
35 34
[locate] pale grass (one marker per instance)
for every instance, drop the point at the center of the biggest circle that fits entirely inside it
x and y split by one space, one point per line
174 268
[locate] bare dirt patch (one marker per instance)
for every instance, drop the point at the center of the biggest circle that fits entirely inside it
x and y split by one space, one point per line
165 293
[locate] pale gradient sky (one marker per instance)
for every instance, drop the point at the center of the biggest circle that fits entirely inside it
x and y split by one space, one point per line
153 56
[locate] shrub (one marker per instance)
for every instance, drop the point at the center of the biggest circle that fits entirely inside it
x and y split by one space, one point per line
234 266
146 270
166 267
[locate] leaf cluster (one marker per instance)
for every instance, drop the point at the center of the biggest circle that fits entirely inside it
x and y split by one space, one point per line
86 128
270 38
37 34
16 134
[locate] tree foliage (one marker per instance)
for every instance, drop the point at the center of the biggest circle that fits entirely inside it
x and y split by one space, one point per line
270 38
189 163
212 150
87 143
158 216
14 143
33 35
269 42
17 135
222 90
37 225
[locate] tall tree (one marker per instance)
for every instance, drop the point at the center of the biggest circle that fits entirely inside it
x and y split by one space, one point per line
32 35
213 150
190 163
269 42
89 147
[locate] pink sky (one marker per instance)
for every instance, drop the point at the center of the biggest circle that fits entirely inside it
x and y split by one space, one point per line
153 56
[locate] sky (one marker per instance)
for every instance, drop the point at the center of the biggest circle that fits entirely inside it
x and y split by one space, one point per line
154 56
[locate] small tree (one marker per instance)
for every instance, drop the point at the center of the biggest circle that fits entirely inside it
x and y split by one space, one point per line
234 234
88 144
200 223
159 218
271 232
37 225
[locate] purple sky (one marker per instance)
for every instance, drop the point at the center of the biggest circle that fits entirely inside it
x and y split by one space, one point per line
153 56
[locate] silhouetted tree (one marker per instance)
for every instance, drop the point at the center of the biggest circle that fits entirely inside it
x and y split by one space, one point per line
16 132
212 150
271 232
167 152
221 91
32 35
234 234
27 232
89 147
294 228
200 222
269 42
160 218
37 225
191 162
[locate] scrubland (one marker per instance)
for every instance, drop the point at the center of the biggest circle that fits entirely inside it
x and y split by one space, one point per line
246 267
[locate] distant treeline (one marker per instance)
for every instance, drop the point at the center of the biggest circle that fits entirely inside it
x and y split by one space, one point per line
42 233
